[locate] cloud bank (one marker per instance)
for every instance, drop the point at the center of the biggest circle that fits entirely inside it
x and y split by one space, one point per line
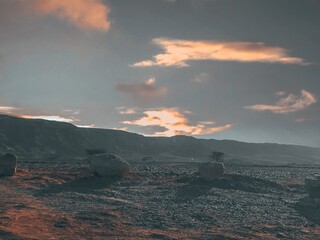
287 103
179 52
173 121
86 14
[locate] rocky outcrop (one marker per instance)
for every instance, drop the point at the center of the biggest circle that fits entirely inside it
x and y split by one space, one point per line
108 165
8 165
211 170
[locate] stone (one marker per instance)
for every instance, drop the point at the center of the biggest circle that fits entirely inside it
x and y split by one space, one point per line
108 165
8 165
61 224
211 170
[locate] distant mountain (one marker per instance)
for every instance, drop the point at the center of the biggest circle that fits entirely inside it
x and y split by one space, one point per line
49 140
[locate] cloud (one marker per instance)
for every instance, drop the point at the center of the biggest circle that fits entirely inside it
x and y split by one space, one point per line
302 120
49 117
142 91
287 103
7 109
120 128
179 52
17 112
86 126
202 78
126 111
72 111
86 14
173 121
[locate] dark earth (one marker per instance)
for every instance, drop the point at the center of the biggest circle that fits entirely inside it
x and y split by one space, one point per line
155 201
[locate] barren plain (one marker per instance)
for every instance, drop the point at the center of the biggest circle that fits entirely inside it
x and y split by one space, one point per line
154 201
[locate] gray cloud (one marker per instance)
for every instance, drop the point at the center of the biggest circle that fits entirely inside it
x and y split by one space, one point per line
142 91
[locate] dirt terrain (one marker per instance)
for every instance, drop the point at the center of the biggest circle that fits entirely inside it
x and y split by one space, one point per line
154 201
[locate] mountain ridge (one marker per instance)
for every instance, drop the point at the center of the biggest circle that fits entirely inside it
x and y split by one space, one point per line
44 139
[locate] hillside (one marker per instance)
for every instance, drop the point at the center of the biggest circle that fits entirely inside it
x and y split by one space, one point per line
49 140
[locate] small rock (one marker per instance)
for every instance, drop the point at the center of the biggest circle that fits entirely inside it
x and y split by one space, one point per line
61 224
281 235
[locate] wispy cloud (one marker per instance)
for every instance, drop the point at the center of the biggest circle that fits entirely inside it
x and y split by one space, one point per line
121 128
179 52
49 117
86 126
7 109
86 14
72 111
287 103
126 111
173 121
142 91
303 120
18 112
202 78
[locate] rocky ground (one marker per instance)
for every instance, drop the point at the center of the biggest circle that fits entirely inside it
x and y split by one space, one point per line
154 201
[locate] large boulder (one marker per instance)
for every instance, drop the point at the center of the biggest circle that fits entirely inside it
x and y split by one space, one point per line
108 165
8 165
211 170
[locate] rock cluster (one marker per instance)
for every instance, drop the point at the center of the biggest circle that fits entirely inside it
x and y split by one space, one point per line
8 165
108 165
209 171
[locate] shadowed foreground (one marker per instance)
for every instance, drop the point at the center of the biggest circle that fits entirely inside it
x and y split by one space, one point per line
155 201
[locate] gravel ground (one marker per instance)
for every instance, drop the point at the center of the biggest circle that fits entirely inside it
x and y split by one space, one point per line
156 201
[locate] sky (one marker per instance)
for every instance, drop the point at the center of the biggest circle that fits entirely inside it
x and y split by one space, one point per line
245 70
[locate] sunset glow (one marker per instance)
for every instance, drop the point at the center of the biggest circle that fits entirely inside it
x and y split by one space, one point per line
222 69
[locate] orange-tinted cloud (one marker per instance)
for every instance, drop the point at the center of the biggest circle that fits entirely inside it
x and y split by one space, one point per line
174 122
143 91
179 52
17 112
87 14
7 109
287 103
70 118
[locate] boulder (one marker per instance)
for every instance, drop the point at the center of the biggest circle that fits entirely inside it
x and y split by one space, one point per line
8 165
211 170
108 165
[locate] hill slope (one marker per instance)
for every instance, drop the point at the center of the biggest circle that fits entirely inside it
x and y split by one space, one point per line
30 138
